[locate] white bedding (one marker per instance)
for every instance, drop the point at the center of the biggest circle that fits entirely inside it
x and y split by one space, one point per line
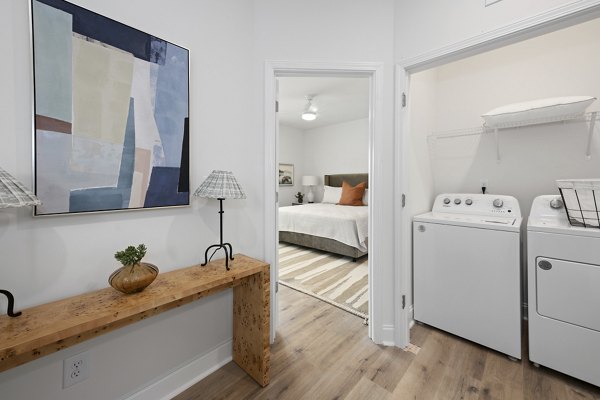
346 224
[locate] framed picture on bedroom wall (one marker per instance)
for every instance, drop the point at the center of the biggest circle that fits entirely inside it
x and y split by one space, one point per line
111 114
286 174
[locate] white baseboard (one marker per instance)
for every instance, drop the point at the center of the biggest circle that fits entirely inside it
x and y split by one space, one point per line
182 378
387 335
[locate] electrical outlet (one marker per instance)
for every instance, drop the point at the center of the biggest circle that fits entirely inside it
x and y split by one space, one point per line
76 369
483 185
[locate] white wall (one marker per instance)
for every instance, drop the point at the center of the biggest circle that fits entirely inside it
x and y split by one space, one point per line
425 26
331 149
44 259
336 149
291 151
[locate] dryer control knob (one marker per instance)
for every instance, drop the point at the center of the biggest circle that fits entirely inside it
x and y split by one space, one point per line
446 201
545 265
556 203
468 202
457 201
498 203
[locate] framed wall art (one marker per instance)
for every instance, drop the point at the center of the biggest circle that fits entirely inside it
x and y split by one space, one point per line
286 174
111 114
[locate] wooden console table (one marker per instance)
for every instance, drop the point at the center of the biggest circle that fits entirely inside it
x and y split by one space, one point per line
51 327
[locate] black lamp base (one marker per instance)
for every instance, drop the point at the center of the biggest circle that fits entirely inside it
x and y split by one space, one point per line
228 255
221 245
11 303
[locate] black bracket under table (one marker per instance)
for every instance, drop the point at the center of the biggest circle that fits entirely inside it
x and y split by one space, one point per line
11 303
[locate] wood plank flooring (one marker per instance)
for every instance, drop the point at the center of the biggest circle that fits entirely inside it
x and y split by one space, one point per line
324 353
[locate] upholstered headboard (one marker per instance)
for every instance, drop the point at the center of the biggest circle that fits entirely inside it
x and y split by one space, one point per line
337 179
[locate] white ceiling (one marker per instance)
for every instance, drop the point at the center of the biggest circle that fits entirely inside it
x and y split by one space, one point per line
336 99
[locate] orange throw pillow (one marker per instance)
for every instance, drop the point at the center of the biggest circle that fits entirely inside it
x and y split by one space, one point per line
352 195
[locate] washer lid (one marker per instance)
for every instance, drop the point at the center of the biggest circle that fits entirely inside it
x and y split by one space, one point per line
544 218
473 221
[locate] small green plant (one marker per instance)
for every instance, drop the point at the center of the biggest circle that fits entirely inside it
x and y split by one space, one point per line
300 197
131 255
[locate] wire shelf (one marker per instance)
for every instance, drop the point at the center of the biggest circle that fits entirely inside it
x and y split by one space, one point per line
590 118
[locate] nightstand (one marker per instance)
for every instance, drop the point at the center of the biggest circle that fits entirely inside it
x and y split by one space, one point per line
297 204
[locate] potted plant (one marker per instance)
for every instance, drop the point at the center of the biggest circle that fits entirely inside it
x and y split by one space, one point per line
135 275
300 197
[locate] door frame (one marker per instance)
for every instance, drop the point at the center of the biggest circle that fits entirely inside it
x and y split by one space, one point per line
545 22
374 71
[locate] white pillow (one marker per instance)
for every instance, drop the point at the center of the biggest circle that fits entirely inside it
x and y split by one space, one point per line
331 194
530 112
365 198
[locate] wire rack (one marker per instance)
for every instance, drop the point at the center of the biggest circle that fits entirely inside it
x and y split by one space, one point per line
581 198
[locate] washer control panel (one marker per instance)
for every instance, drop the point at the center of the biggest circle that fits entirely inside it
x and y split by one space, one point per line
477 204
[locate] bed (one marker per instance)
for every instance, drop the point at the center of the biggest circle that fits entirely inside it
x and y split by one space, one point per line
329 227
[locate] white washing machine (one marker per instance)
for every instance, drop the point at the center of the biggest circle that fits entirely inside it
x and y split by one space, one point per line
563 292
467 269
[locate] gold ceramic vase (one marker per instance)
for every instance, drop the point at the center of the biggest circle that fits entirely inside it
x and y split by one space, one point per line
133 278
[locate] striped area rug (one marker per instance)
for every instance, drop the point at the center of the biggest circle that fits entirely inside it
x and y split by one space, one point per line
329 277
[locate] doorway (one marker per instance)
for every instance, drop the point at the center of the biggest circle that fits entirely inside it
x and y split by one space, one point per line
323 141
372 72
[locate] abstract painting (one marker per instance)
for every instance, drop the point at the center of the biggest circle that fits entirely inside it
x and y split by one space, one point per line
286 174
111 107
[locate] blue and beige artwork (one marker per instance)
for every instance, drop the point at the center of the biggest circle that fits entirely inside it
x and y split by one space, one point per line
111 114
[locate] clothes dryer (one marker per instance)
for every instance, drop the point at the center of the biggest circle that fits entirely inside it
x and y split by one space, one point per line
563 272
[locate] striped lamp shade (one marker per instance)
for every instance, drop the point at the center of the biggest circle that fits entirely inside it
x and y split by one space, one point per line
13 193
220 185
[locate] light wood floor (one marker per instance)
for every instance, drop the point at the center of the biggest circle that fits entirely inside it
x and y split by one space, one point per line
324 353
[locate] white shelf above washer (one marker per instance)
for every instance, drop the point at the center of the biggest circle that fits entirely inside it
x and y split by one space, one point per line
590 118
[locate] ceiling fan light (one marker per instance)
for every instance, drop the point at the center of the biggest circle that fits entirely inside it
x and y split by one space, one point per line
310 111
309 115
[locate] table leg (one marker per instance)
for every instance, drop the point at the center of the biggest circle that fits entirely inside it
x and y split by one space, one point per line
251 311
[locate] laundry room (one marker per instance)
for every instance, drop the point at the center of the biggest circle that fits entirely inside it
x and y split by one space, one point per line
507 123
451 151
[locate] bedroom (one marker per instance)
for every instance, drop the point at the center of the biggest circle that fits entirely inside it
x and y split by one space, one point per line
323 144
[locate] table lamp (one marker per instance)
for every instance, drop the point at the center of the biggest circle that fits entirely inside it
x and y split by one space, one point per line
14 194
220 185
310 181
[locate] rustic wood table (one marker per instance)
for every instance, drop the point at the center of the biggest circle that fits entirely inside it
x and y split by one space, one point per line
51 327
